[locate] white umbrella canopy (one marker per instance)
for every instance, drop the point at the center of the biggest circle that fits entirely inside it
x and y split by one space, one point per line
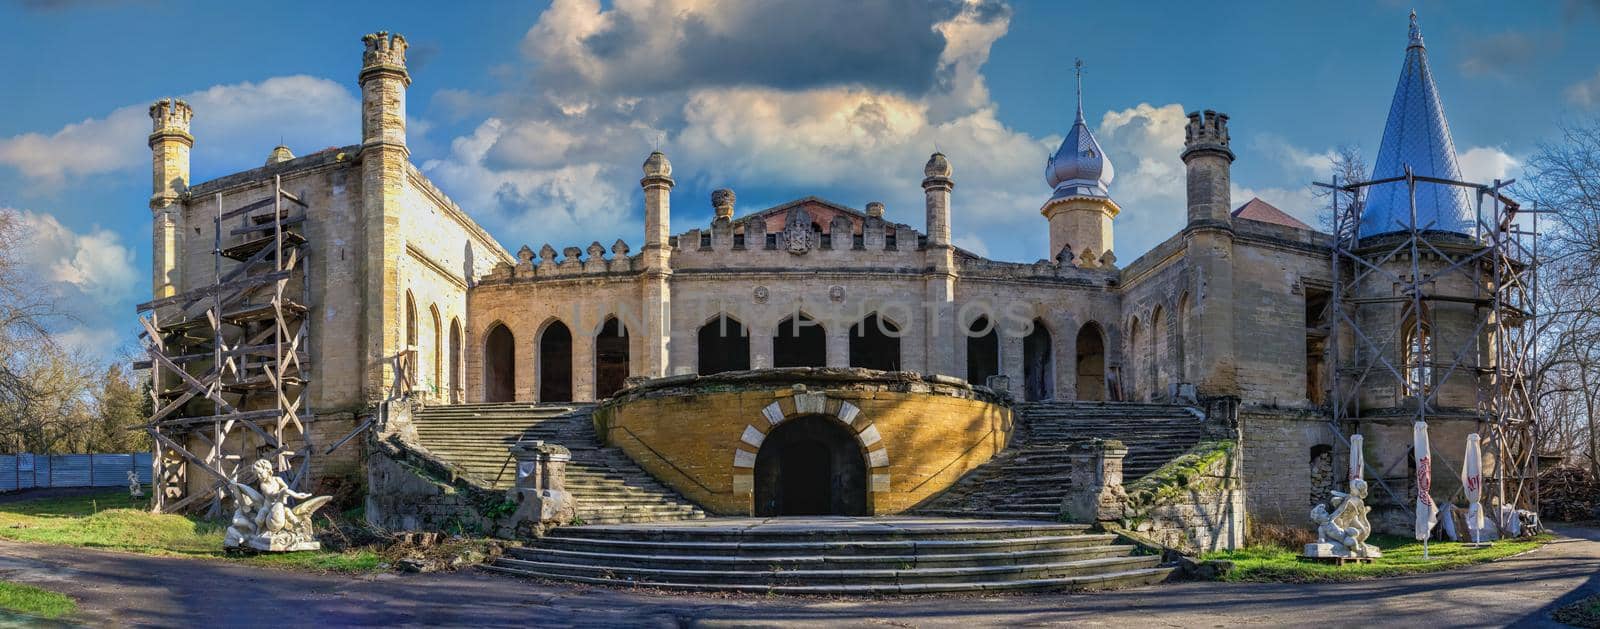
1356 460
1472 484
1427 511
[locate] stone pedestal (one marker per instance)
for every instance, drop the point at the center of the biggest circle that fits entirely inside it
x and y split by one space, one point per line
540 492
1096 493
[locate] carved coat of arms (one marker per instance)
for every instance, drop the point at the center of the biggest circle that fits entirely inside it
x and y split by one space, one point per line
797 235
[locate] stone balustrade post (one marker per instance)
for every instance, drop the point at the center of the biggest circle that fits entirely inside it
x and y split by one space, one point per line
1095 491
540 491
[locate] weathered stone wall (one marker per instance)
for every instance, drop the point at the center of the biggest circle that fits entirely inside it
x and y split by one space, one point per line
1273 268
1196 503
701 435
1277 447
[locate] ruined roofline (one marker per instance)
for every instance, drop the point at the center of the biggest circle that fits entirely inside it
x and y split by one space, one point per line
344 155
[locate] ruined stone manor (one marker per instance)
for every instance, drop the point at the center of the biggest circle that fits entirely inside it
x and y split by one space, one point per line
338 314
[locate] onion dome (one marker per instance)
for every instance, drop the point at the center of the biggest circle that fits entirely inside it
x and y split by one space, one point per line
1080 166
657 165
279 155
937 166
1416 136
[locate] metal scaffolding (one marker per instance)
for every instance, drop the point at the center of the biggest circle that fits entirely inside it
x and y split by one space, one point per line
228 361
1499 261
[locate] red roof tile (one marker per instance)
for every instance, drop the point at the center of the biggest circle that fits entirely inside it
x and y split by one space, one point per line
1261 211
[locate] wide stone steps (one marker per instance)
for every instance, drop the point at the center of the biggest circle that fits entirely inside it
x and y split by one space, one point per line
832 555
1032 476
606 486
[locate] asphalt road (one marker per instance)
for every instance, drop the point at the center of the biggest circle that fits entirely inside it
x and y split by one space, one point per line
117 589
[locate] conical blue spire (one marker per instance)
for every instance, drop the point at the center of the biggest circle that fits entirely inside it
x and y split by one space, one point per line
1417 135
1079 167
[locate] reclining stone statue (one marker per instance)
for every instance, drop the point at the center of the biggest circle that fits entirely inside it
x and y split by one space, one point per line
263 520
1343 531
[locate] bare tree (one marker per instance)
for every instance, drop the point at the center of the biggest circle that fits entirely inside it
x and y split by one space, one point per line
1349 167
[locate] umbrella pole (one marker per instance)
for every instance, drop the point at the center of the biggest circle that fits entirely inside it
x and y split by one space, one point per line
1424 548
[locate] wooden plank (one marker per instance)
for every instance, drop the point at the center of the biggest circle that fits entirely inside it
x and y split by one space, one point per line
207 291
267 226
247 208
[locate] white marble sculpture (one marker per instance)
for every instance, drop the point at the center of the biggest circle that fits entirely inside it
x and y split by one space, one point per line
135 490
263 520
1343 531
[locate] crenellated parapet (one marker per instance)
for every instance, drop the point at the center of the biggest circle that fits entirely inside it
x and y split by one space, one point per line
572 261
169 119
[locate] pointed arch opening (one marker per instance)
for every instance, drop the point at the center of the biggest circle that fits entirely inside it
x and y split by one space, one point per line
1091 363
456 390
1416 354
799 342
983 351
811 465
555 363
610 358
435 379
1180 343
875 344
723 345
499 365
1135 383
1038 364
1160 363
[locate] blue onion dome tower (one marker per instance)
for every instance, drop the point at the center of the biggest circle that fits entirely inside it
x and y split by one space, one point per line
1080 210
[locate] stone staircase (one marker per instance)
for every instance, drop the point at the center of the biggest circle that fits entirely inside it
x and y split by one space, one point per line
836 555
1030 478
608 487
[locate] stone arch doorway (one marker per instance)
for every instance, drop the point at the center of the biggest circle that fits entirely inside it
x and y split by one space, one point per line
810 465
1091 363
499 365
875 344
555 363
455 361
1038 364
724 345
983 351
610 358
799 342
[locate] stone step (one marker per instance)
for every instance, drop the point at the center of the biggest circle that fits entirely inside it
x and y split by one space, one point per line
839 576
1129 578
790 562
830 547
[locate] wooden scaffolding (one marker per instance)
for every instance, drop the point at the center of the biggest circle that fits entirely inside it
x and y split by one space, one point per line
228 361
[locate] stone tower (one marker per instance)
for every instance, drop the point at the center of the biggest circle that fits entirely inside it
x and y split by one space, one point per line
939 290
1209 239
1081 209
657 258
384 161
169 166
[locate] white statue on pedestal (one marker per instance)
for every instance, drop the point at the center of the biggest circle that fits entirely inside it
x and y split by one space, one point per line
135 490
263 519
1343 532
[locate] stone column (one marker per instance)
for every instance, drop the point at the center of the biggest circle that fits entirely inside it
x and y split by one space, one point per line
540 491
838 339
384 160
1095 487
1207 160
170 144
656 305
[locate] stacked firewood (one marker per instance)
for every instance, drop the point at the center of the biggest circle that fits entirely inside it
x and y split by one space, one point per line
1568 493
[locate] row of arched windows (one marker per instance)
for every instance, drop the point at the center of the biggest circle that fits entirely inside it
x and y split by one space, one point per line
723 344
1157 352
438 367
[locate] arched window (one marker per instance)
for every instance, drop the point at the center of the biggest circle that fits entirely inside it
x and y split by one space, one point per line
724 345
455 361
983 351
555 363
435 379
799 342
1038 364
1091 363
1134 362
610 358
411 321
875 344
1417 355
499 365
1160 363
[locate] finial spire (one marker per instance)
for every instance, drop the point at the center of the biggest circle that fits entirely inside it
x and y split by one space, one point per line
1077 66
1415 31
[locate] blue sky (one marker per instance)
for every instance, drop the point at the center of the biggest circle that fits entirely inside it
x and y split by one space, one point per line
535 117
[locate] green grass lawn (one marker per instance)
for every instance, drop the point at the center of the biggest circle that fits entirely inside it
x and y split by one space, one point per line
111 520
26 599
1401 555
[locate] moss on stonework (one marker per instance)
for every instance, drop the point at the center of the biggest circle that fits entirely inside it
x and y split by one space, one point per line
1186 472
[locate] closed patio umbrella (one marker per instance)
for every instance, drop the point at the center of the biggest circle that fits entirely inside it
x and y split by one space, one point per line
1472 484
1427 512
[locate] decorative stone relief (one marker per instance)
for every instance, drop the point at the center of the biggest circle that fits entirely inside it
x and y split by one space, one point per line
836 293
760 294
263 519
797 235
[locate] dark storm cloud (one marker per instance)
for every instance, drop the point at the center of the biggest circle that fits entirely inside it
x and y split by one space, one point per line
792 45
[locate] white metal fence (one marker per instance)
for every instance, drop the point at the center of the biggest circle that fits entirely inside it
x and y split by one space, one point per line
27 471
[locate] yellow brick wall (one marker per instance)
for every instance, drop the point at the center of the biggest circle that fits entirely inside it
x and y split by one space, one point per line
689 438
